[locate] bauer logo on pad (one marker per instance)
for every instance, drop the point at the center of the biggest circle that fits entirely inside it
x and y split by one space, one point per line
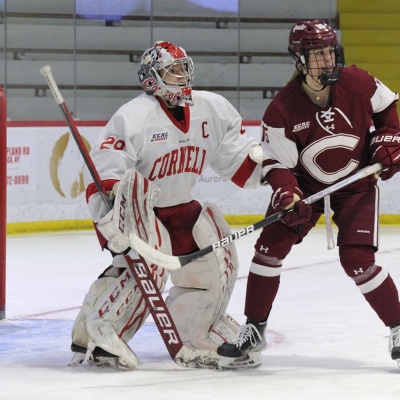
159 137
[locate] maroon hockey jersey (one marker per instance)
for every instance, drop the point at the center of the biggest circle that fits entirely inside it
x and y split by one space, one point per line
324 145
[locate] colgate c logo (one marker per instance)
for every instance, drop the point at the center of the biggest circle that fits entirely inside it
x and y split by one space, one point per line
308 157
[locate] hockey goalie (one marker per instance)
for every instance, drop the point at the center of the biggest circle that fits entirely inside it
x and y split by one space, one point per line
149 157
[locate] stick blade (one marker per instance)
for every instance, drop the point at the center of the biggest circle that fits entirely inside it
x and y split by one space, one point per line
153 256
190 358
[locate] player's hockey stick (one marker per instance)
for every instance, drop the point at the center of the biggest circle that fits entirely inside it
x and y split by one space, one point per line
182 355
176 262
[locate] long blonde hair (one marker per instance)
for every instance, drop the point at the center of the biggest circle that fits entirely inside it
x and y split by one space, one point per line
298 71
293 77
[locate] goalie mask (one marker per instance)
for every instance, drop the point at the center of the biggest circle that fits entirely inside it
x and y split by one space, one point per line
167 71
316 35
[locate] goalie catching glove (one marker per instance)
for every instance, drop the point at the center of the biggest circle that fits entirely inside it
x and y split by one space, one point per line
385 148
288 196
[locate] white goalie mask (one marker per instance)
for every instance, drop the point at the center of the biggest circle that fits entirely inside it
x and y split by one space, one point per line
167 71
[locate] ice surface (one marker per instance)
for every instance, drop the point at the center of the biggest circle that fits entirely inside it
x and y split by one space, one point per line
324 341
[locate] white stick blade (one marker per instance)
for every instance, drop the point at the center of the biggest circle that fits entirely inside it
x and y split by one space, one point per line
153 256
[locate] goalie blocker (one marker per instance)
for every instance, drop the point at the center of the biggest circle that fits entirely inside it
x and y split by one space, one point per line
114 308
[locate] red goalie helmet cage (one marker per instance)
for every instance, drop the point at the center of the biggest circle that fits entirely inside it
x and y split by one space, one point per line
3 201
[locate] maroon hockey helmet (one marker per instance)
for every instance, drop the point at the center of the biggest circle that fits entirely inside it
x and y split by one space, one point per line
314 34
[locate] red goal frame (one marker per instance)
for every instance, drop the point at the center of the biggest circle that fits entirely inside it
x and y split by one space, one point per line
3 201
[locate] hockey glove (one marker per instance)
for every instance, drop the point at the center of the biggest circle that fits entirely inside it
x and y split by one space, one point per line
288 196
385 148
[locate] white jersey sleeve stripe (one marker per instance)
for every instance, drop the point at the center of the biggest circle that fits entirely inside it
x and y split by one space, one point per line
382 97
276 146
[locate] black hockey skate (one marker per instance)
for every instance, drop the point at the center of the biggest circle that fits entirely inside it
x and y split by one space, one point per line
98 351
394 343
250 338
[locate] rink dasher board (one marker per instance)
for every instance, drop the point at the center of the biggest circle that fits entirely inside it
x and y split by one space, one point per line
44 178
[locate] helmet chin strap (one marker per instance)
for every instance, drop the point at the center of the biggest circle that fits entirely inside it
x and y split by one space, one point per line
304 76
304 67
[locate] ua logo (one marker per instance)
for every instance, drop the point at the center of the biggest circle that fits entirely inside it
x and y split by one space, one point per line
359 271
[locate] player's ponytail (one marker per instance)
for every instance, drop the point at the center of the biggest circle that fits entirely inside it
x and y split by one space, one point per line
295 74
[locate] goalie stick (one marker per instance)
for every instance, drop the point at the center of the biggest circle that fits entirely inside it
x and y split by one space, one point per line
182 355
176 262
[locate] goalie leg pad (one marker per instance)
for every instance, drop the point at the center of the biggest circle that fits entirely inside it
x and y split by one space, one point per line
103 334
224 329
96 292
113 311
103 315
203 288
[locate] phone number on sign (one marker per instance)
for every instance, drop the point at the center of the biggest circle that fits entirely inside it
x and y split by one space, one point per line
18 180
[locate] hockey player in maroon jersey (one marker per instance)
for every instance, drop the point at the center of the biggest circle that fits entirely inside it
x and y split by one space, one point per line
315 132
169 135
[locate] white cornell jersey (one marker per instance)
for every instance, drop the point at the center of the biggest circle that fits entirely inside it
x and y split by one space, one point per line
173 154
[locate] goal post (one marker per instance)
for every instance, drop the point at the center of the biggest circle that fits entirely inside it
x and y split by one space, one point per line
3 201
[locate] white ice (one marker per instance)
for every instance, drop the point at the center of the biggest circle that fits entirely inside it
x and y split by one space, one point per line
324 341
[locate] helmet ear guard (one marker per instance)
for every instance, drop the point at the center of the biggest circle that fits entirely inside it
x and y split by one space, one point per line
299 61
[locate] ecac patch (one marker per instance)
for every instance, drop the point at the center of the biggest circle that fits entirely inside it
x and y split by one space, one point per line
159 137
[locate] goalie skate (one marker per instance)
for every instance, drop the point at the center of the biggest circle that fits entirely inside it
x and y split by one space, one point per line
98 358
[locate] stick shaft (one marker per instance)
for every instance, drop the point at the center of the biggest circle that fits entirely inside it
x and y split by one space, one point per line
275 217
46 72
176 262
86 157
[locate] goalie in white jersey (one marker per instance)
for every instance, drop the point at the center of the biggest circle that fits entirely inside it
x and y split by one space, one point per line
169 134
